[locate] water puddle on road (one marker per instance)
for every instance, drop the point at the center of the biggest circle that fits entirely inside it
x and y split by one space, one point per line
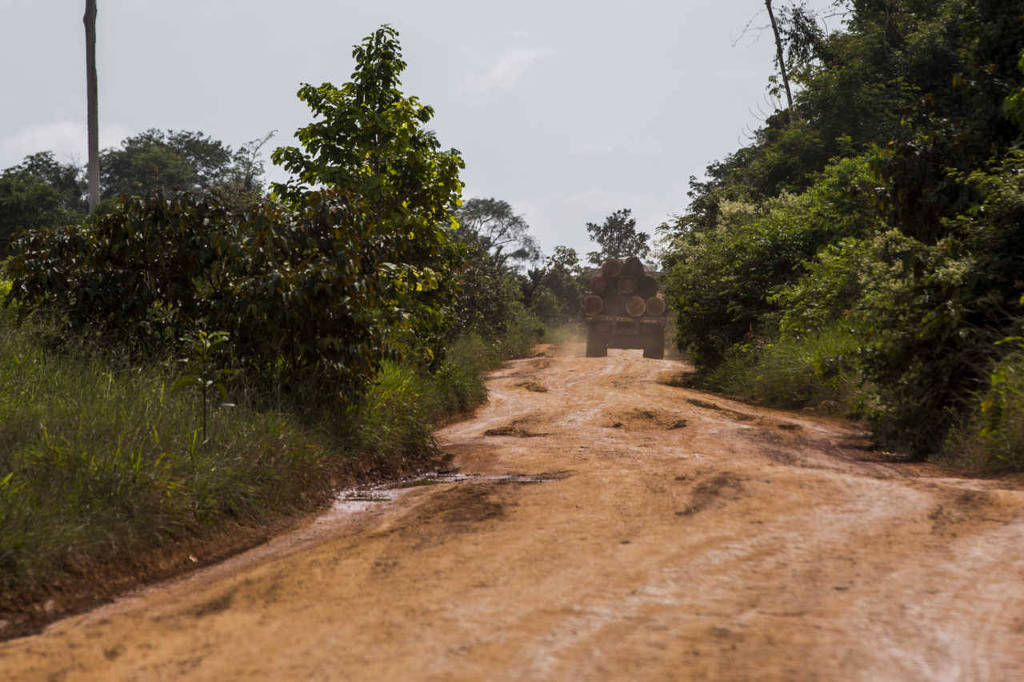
362 498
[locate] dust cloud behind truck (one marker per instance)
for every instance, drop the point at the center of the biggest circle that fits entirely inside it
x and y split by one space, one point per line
624 309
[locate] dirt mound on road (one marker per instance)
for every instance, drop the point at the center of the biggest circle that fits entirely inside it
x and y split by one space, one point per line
637 418
720 486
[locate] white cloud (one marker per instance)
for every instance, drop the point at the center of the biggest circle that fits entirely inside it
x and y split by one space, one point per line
68 140
506 71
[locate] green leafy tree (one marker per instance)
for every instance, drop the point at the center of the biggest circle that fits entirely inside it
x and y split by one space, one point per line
178 161
882 218
203 371
920 349
65 178
37 192
489 295
556 288
493 225
295 286
370 141
618 238
495 299
245 175
719 279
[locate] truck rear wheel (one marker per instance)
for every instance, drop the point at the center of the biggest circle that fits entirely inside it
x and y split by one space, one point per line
654 344
597 344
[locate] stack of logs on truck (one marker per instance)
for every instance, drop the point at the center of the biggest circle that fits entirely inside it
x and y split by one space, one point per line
624 310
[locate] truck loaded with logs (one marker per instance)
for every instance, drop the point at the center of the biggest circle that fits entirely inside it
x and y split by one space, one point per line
624 309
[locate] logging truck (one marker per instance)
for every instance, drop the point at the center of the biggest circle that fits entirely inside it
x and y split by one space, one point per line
624 309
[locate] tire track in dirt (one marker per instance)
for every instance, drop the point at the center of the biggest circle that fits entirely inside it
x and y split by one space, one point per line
600 521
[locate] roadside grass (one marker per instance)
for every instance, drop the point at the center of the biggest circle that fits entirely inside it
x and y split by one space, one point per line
815 370
394 423
818 371
993 439
101 462
524 331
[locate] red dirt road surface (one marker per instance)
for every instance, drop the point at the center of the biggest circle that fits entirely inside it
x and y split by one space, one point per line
601 524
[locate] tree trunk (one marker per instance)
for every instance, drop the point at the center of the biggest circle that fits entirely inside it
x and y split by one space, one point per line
93 107
780 57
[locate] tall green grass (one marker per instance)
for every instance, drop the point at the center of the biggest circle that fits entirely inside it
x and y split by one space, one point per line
523 332
98 460
395 421
813 370
993 439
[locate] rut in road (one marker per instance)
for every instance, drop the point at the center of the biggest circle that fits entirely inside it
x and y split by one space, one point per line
600 522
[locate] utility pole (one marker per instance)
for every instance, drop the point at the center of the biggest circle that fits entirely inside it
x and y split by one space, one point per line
92 105
779 56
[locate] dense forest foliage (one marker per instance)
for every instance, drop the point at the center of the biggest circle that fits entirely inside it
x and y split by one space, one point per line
864 252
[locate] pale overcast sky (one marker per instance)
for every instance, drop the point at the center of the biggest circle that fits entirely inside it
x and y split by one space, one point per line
568 110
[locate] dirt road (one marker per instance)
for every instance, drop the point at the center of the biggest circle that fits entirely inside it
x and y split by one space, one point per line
603 525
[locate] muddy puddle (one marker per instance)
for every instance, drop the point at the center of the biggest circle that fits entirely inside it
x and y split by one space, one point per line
362 498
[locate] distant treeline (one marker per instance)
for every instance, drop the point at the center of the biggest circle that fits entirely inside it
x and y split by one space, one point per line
865 252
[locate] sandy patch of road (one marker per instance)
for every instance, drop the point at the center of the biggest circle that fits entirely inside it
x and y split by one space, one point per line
601 524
